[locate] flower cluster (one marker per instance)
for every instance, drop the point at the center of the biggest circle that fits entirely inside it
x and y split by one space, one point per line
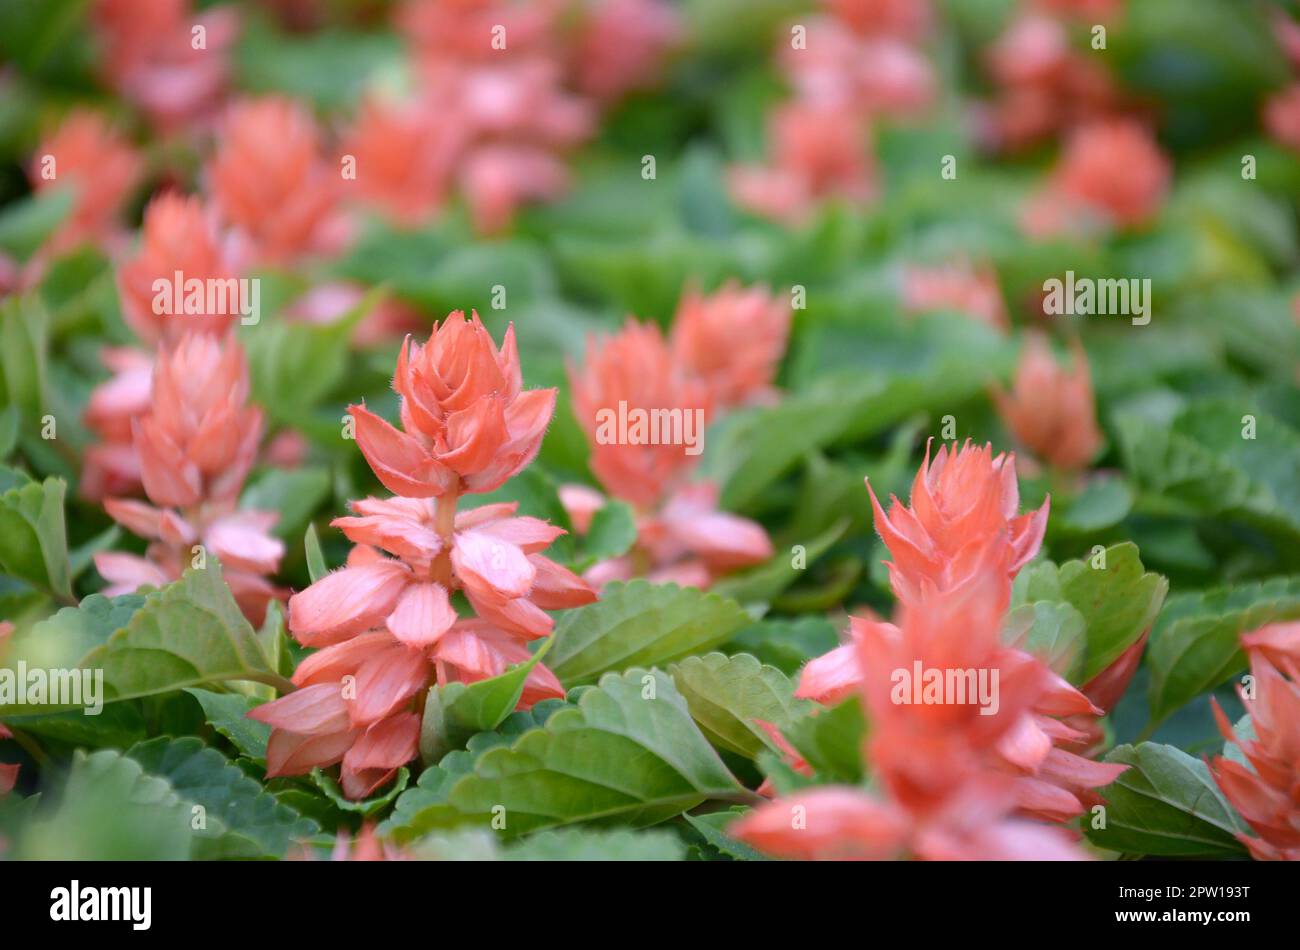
848 67
723 352
1050 410
959 779
385 624
195 446
1265 788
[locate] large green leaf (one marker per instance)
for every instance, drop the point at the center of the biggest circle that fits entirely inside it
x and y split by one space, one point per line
1118 600
456 711
1165 804
1196 642
627 753
725 694
228 714
1203 464
588 844
640 624
236 817
33 539
190 633
109 809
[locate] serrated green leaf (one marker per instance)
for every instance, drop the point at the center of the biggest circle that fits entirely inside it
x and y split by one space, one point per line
830 740
627 753
726 694
587 844
456 711
1052 630
640 624
1196 642
228 714
1166 804
239 819
713 829
109 809
367 807
1119 599
33 539
190 633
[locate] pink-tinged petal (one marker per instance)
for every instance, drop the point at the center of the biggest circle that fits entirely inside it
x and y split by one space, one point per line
475 435
530 535
1277 641
312 711
581 504
288 753
388 744
397 459
518 616
1027 534
1025 744
422 615
1105 689
526 419
1078 772
386 681
127 573
484 514
170 479
401 537
556 587
1061 699
333 663
8 777
489 567
346 602
1036 798
831 676
1004 841
724 540
242 543
825 823
540 685
140 519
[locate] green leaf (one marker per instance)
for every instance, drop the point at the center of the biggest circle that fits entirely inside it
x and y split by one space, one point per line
627 753
1201 464
23 355
8 430
28 221
762 583
725 694
316 564
1166 804
109 809
228 714
239 819
639 623
786 644
1103 502
455 711
713 829
1052 630
612 532
586 844
368 807
1119 601
1196 642
190 633
61 641
830 740
33 539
